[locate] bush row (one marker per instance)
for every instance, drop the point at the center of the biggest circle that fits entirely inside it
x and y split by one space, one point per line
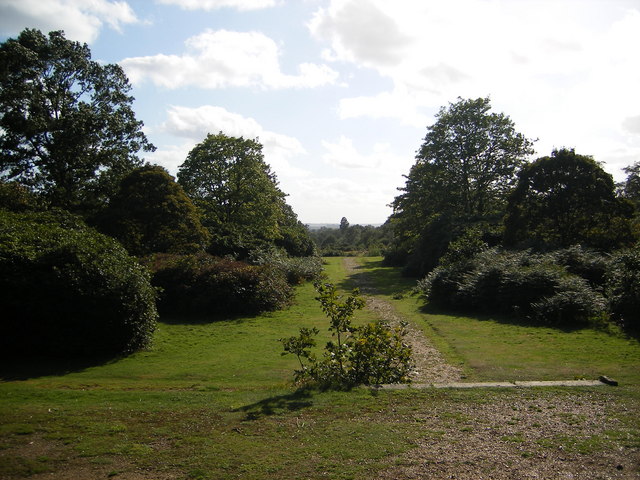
566 287
205 285
68 290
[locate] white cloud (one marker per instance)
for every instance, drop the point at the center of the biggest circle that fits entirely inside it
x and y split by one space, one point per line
218 59
401 106
632 124
360 31
216 4
343 154
81 20
193 124
566 72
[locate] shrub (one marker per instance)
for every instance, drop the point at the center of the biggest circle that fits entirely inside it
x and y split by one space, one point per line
68 290
533 286
623 287
297 270
372 354
584 262
202 284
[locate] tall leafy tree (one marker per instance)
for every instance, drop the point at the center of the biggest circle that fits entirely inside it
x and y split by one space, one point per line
235 189
67 128
463 171
150 213
566 199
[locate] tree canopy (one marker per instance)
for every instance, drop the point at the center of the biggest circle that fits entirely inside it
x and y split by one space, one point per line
463 171
566 199
67 128
150 213
242 205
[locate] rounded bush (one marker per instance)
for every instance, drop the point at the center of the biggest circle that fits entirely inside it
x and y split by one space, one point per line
69 290
623 287
519 283
204 285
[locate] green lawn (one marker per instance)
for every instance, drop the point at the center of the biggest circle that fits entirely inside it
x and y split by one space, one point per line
505 349
214 400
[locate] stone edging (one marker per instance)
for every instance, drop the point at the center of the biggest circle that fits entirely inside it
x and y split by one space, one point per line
542 383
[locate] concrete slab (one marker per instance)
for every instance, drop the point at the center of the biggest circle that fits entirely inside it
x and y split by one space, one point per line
519 383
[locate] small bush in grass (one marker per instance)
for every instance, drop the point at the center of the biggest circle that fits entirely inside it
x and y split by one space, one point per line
202 284
68 290
372 354
623 287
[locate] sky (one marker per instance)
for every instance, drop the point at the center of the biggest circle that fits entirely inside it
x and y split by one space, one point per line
340 92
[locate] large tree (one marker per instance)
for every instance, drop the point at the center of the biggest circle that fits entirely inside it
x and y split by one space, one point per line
463 171
566 199
150 213
242 205
67 128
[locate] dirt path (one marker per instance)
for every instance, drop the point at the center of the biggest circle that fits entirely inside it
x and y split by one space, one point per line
514 435
430 365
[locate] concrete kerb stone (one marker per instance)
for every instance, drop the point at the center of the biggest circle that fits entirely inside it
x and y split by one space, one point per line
515 384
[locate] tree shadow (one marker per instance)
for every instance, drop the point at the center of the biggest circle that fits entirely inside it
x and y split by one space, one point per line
374 275
25 368
502 319
290 402
200 319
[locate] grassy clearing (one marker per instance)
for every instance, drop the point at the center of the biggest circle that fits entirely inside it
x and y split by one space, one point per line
213 401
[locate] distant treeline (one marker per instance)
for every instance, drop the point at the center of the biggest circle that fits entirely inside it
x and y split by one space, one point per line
347 240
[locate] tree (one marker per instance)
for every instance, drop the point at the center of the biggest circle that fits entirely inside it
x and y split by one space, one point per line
230 182
463 172
67 129
294 235
566 199
344 224
150 213
631 187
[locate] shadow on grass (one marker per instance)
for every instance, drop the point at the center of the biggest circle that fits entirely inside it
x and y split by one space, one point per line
383 279
502 319
291 402
199 319
15 368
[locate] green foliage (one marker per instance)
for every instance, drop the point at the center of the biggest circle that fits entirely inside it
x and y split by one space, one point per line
296 269
68 290
352 240
623 287
150 213
463 172
294 235
67 129
532 286
567 199
204 285
370 354
243 208
17 198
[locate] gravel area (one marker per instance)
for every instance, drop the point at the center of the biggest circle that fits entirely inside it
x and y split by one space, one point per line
517 434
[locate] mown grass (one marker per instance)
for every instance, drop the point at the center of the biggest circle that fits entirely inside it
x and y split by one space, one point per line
505 349
214 400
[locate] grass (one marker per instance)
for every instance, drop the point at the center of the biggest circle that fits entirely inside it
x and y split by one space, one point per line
214 400
506 349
